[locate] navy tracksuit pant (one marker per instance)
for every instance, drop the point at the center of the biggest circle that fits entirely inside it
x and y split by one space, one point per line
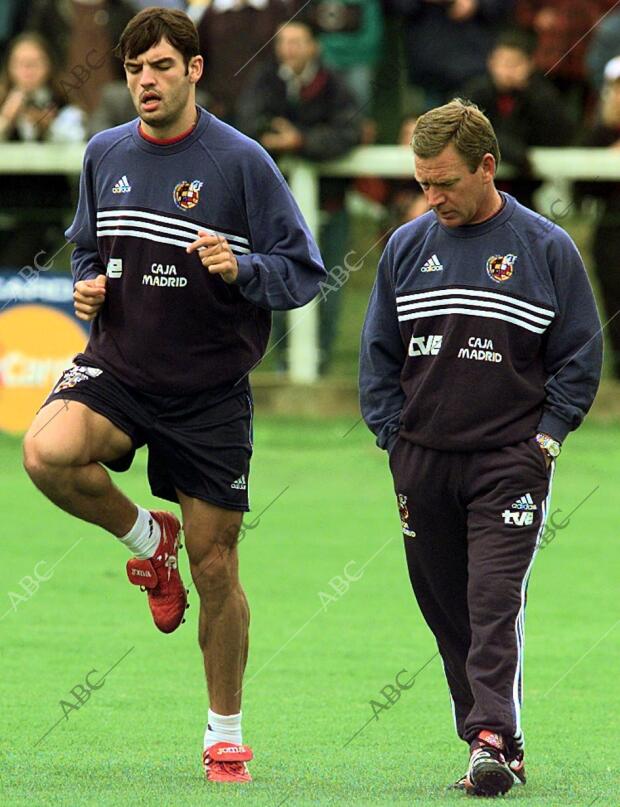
471 522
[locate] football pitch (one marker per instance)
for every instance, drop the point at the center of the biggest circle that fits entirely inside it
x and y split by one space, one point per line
101 709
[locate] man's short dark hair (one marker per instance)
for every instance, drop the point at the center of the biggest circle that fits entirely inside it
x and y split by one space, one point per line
517 39
306 21
151 25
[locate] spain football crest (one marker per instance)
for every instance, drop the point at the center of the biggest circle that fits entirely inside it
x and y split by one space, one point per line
187 194
73 376
403 511
501 267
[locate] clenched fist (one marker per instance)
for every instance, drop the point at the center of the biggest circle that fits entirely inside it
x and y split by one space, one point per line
88 297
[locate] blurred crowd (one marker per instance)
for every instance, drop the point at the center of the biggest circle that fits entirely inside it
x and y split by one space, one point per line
318 78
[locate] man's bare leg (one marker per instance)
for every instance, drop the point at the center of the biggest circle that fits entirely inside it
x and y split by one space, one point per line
211 535
62 451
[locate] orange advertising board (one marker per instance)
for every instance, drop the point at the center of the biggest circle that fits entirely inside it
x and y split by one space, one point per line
37 342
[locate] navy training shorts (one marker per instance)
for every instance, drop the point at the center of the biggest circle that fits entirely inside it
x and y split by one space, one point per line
199 443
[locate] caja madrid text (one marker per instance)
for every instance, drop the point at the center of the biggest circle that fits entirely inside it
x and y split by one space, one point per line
480 350
163 274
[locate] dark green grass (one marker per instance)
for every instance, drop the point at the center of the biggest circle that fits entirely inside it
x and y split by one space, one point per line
312 672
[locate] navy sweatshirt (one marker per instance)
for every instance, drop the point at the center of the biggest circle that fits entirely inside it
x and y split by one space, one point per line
479 336
168 326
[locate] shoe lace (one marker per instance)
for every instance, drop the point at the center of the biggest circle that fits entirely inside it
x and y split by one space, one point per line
171 564
234 768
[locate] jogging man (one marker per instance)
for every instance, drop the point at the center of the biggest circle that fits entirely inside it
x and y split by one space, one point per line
481 350
186 237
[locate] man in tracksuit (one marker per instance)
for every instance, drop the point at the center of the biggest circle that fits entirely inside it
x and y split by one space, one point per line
480 351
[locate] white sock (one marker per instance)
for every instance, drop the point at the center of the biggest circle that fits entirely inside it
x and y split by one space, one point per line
223 729
144 537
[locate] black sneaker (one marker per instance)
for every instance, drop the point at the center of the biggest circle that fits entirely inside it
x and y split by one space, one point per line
488 773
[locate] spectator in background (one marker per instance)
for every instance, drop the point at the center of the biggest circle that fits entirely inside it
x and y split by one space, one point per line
32 104
33 109
294 105
606 239
350 34
563 29
604 45
523 106
234 36
447 41
83 34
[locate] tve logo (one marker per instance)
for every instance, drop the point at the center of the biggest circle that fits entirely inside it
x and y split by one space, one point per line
425 345
522 519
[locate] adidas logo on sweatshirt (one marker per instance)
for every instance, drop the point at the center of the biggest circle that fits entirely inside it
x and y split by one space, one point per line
122 186
432 265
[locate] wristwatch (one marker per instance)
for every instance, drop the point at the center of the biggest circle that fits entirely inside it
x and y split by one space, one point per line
550 446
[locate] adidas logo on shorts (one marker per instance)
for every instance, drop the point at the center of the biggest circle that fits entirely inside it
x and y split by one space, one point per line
239 484
524 502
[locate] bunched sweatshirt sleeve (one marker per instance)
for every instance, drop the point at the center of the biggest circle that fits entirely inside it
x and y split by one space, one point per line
382 357
574 346
284 269
85 260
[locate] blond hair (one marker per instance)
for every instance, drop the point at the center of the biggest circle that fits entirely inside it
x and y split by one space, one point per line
461 123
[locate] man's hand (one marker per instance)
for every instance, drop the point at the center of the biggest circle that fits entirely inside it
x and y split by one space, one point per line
88 297
215 255
13 105
283 137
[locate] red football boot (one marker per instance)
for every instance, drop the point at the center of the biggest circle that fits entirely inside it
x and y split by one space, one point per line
159 576
225 762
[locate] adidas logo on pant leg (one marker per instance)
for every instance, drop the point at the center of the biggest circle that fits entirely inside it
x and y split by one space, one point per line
524 502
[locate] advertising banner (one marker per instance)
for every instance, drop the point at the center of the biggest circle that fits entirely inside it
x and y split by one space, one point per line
39 336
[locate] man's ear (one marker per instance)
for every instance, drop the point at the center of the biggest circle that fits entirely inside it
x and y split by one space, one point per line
489 167
195 68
